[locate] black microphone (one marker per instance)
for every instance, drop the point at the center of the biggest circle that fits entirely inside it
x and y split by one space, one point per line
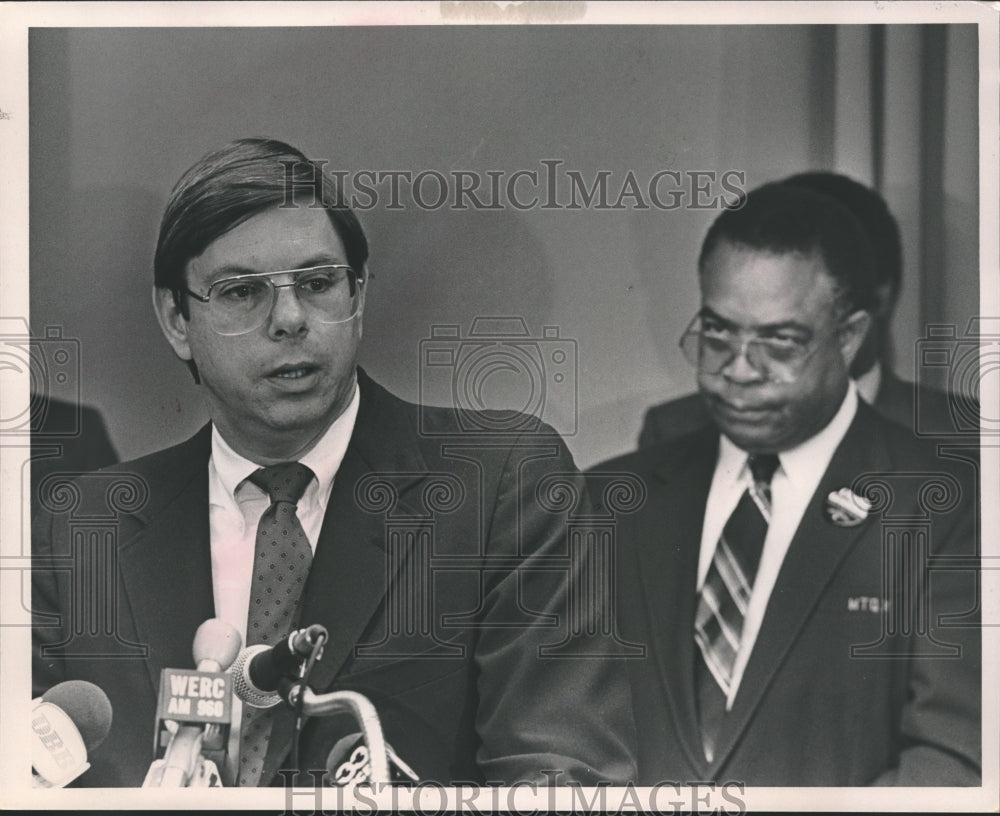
349 763
68 722
259 670
195 711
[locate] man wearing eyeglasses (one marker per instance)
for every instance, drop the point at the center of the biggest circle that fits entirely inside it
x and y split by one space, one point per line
788 567
314 496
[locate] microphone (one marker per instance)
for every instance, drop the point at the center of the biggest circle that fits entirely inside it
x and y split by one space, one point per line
194 711
349 763
68 721
259 670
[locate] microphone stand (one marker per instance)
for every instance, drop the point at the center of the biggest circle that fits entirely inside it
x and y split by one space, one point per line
184 765
340 702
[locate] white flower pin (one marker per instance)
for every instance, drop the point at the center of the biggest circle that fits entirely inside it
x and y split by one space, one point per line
846 508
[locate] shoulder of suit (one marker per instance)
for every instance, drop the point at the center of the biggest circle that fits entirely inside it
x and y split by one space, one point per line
702 441
56 417
677 407
393 433
674 419
907 450
915 404
186 456
135 487
435 422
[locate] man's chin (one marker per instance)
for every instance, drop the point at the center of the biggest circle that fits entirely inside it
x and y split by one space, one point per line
751 430
748 415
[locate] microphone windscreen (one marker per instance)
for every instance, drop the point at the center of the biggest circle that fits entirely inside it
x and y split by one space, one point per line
243 684
86 705
216 640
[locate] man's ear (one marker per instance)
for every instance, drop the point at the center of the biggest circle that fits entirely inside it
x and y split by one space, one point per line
360 316
172 323
852 334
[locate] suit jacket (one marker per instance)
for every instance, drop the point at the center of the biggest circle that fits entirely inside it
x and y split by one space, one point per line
838 690
896 400
440 577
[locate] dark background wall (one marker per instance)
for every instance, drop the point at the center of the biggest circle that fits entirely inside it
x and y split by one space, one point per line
117 114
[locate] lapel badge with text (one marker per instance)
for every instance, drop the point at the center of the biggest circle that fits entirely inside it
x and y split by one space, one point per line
846 508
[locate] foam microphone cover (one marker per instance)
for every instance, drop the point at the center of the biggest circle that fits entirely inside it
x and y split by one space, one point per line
86 705
218 642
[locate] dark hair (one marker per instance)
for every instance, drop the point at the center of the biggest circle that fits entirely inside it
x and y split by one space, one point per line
782 218
232 184
873 215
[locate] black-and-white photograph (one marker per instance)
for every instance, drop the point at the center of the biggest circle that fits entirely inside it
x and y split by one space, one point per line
500 406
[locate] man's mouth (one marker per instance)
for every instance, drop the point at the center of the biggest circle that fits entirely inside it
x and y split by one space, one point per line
294 371
742 410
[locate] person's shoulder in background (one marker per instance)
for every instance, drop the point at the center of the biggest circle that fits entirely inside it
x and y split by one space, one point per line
69 437
673 419
926 410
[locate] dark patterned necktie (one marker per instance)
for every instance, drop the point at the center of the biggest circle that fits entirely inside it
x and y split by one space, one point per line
282 556
725 596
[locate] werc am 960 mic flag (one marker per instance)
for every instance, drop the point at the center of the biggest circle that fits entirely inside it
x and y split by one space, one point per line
194 711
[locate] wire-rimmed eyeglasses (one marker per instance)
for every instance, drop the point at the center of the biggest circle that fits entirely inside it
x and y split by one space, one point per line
330 293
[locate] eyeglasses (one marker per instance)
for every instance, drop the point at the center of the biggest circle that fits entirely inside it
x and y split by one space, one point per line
237 305
709 349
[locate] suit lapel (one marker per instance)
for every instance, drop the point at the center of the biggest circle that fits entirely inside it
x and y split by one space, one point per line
350 573
166 565
816 550
677 498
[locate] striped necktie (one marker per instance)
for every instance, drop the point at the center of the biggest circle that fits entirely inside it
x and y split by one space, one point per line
725 596
282 557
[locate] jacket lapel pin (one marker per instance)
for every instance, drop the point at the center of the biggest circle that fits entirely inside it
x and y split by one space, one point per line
846 508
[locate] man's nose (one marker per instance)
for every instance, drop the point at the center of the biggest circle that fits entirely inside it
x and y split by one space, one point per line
739 369
288 317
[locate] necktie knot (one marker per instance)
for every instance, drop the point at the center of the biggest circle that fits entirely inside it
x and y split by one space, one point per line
285 482
762 466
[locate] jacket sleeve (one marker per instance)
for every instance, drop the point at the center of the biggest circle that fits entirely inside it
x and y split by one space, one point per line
940 723
554 699
48 616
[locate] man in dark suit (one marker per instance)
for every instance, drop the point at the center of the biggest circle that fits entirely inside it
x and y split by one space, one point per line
872 369
803 571
316 496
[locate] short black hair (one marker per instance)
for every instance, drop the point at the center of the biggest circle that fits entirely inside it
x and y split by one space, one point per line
782 218
232 184
873 215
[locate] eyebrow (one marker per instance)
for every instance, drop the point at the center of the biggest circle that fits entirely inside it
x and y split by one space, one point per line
765 327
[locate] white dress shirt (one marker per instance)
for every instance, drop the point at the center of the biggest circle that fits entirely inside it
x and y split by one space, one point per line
235 506
799 472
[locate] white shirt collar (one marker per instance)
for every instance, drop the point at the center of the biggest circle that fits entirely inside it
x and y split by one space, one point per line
323 458
869 383
807 460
